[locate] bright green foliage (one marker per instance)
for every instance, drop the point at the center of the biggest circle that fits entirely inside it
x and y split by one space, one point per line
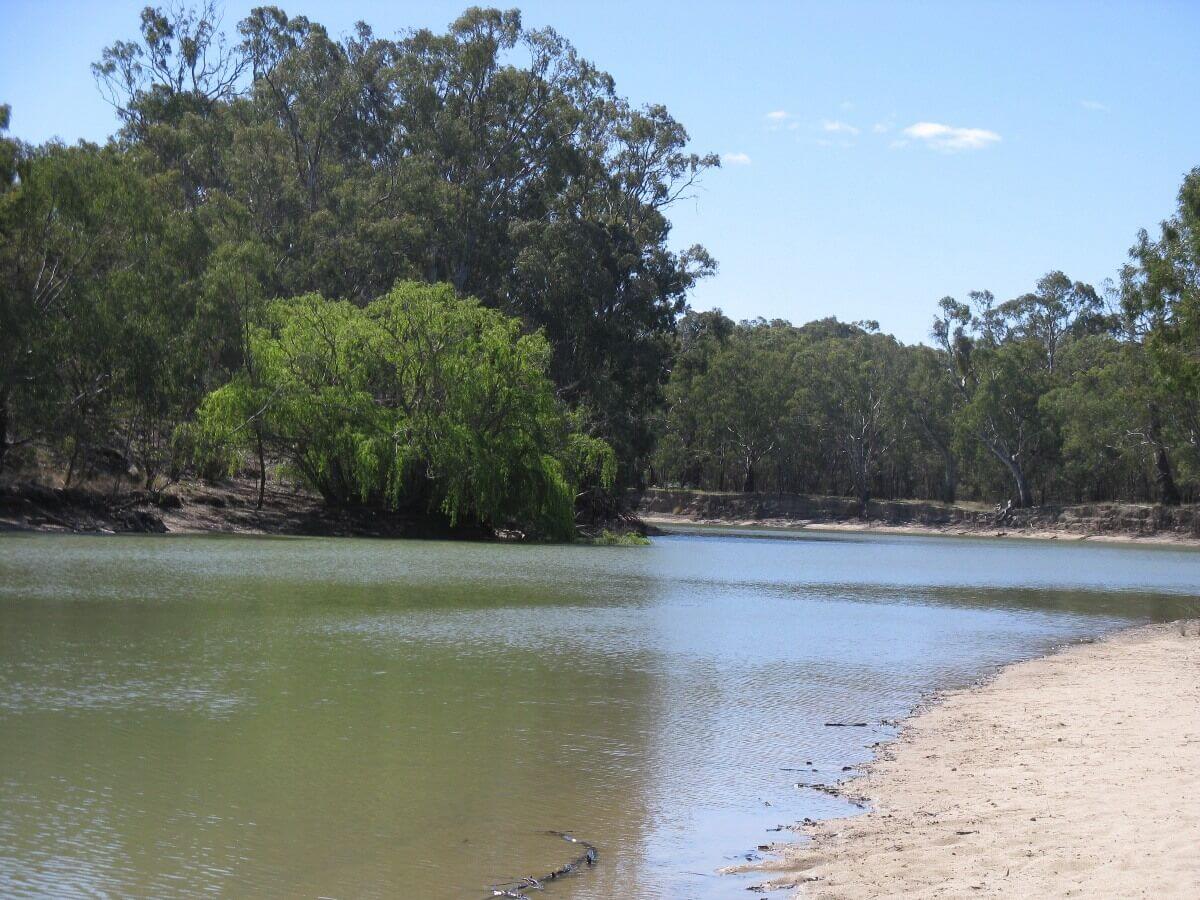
609 538
419 401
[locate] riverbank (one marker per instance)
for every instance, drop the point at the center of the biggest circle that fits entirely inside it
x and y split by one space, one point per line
232 507
1070 775
195 507
1143 523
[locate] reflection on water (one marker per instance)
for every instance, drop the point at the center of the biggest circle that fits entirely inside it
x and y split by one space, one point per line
371 718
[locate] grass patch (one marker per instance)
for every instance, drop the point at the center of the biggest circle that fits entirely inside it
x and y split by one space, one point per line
608 538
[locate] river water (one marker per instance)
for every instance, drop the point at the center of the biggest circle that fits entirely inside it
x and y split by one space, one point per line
362 718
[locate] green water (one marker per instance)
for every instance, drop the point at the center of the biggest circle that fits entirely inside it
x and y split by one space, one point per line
352 718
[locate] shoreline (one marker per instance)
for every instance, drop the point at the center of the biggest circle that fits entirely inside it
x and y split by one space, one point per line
230 507
196 507
960 529
1070 774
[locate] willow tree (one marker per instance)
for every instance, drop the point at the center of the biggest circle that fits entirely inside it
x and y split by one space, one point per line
420 402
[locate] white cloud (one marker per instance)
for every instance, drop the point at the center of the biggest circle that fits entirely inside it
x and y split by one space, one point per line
835 127
1095 105
736 159
881 127
780 118
950 138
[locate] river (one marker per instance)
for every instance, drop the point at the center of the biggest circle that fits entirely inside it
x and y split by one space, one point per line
365 718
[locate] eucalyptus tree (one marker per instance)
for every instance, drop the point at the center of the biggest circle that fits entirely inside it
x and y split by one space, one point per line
854 384
1160 294
1117 417
97 308
490 156
930 399
10 153
1052 313
684 447
61 235
1002 358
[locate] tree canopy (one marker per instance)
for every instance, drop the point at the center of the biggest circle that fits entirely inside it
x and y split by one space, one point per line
1050 396
435 273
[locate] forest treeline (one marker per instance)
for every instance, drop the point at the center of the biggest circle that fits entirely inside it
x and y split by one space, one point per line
141 276
434 273
1058 395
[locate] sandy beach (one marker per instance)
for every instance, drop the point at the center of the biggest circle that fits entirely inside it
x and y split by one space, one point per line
667 521
1073 775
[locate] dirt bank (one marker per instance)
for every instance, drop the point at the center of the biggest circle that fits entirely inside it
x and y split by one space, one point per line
1071 775
231 507
199 507
1099 521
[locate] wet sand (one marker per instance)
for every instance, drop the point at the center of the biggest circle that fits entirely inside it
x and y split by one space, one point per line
1074 775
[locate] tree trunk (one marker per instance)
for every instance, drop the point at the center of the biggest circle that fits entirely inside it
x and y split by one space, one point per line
1168 491
949 479
71 463
262 469
1013 464
748 480
1024 495
3 427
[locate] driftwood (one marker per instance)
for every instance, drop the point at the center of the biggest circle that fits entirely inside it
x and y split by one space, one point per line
835 790
585 859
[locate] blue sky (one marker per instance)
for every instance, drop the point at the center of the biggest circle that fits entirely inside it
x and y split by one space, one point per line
878 156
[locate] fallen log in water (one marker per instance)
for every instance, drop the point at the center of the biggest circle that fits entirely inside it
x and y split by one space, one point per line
513 889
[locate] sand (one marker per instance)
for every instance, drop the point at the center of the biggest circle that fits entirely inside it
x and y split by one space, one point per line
667 521
1074 775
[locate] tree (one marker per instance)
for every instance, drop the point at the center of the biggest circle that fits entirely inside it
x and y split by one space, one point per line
418 402
1115 409
1160 295
684 447
1003 359
1056 310
491 156
67 223
854 382
931 401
